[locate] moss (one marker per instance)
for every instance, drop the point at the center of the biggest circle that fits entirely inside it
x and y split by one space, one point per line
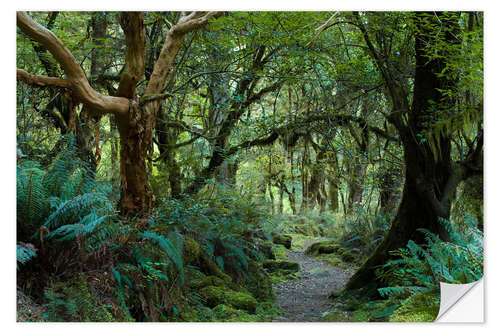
195 256
418 307
318 271
200 281
203 313
347 256
259 284
325 247
421 316
214 296
266 248
285 240
279 252
275 265
299 241
192 251
309 229
225 312
335 316
242 300
75 302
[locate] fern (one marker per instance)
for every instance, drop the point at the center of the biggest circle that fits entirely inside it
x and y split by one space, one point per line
24 254
420 268
174 254
32 197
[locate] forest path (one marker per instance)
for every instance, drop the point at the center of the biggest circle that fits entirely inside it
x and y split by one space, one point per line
306 298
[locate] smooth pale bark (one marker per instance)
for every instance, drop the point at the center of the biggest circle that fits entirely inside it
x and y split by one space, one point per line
135 124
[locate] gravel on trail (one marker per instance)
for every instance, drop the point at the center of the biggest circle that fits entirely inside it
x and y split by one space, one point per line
306 298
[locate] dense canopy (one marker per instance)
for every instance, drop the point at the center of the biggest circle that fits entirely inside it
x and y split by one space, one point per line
193 166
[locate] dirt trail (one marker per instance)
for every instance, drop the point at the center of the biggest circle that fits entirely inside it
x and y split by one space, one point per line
305 299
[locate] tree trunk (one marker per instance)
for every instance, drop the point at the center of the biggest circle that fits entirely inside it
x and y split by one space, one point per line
417 210
271 196
333 194
136 196
390 190
280 207
431 178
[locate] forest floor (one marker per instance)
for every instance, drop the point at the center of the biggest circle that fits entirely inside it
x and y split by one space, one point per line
306 299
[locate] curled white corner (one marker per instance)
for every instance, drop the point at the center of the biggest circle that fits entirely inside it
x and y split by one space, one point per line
461 302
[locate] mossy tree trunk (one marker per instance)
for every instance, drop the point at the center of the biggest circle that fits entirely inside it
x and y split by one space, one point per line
431 177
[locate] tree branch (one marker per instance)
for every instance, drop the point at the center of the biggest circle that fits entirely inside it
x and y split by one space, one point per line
41 80
132 24
80 87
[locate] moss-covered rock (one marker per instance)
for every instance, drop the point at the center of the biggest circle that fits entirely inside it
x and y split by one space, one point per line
195 256
325 247
242 300
225 312
214 296
275 265
192 251
266 248
279 251
199 280
285 240
417 308
229 314
347 256
259 284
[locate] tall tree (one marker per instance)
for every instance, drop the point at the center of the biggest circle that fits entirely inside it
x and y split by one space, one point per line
135 117
431 175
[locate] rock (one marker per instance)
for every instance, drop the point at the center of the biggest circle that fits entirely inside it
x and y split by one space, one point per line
266 248
260 284
195 256
200 280
275 265
325 247
214 296
242 300
284 240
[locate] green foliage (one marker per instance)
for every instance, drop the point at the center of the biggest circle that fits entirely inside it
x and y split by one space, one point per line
225 224
73 301
24 253
414 278
363 233
173 252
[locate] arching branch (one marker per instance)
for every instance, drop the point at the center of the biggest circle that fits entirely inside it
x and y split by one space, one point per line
41 80
75 76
